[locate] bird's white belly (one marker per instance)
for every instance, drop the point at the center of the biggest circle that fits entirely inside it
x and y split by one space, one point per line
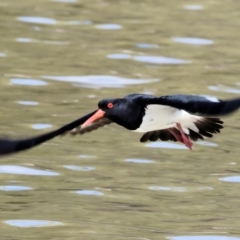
159 117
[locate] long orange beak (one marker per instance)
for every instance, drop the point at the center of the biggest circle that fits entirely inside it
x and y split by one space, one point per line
97 115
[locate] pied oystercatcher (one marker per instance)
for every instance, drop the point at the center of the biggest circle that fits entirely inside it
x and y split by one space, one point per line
174 117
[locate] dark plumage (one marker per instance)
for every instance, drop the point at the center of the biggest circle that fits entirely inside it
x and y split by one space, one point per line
9 146
168 118
206 127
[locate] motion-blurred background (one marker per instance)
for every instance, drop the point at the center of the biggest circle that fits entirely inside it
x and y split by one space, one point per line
57 60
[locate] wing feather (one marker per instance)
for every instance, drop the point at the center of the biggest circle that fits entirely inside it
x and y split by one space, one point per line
199 104
194 104
9 146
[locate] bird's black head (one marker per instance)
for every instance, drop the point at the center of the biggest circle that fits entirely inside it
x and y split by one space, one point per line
126 112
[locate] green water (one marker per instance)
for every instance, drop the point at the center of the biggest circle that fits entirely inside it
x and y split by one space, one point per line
177 194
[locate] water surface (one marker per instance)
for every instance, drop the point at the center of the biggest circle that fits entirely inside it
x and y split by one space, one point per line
133 160
193 7
193 41
147 45
89 192
58 58
14 188
159 60
39 20
12 169
32 223
79 168
41 126
104 81
234 179
109 26
213 237
29 103
27 82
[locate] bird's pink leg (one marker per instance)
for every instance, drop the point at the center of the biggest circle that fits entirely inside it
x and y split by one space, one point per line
185 138
177 136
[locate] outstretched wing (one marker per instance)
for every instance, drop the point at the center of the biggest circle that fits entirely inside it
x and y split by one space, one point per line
198 104
8 146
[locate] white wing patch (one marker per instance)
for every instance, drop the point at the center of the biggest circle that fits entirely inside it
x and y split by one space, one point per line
187 121
159 117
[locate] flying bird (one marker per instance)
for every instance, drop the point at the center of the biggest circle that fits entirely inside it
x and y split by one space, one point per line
169 118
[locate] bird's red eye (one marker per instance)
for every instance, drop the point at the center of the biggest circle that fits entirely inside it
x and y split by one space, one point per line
110 105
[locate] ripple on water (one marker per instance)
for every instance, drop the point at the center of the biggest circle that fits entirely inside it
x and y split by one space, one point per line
32 223
235 179
55 42
161 188
109 26
30 103
31 40
13 169
87 156
159 60
96 81
204 237
206 143
166 145
193 41
41 126
65 1
50 21
222 88
238 83
36 28
193 7
79 168
27 82
179 189
147 45
14 188
77 22
90 192
25 40
37 20
119 56
133 160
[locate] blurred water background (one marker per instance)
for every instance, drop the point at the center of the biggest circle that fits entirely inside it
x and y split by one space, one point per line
57 60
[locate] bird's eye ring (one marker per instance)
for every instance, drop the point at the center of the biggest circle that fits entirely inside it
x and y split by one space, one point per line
110 105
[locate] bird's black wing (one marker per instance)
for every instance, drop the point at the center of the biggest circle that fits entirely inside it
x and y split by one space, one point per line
198 104
8 146
163 135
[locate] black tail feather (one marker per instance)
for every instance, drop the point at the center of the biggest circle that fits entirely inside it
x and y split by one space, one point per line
8 146
207 127
195 136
